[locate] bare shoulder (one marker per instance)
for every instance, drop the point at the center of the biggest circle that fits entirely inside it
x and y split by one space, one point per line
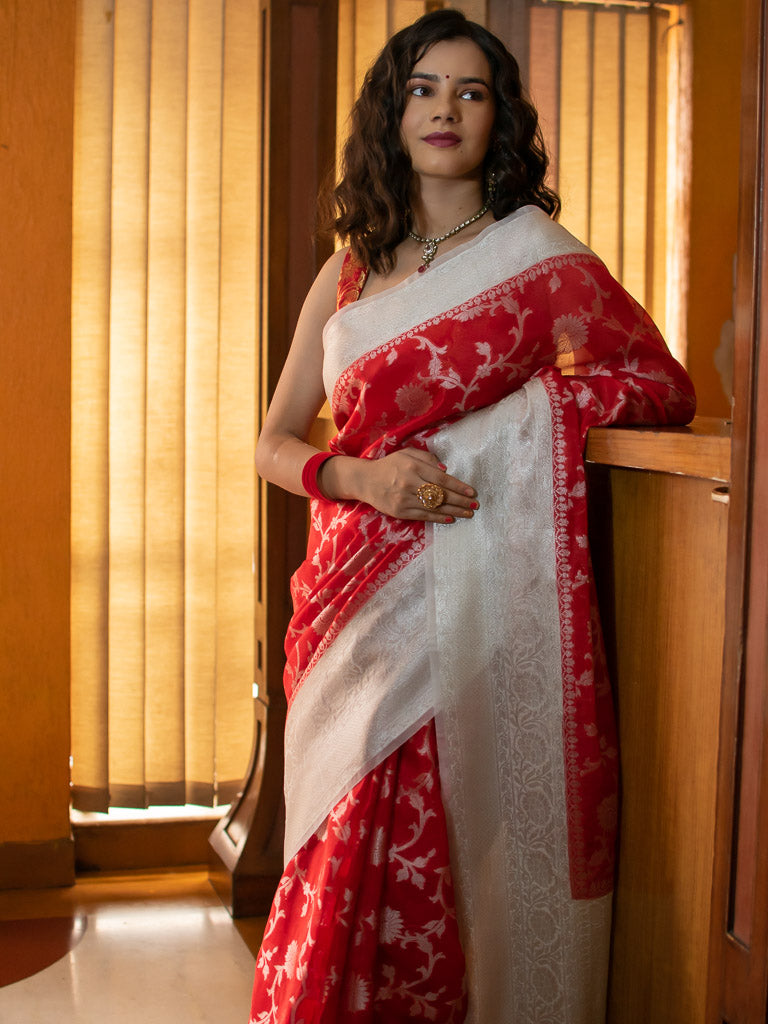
320 303
332 266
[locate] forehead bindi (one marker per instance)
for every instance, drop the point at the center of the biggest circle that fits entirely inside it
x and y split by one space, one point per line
454 59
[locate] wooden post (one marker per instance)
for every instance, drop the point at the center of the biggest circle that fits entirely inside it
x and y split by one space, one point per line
298 145
509 20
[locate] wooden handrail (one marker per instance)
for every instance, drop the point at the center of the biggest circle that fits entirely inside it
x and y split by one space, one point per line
702 449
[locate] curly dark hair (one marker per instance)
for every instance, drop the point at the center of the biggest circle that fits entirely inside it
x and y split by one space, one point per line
369 207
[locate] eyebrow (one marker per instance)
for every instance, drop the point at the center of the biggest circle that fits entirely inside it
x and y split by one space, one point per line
436 78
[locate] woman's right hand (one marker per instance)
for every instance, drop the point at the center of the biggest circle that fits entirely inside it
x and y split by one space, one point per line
391 484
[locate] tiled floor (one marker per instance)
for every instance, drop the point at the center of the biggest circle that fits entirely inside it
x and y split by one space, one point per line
144 948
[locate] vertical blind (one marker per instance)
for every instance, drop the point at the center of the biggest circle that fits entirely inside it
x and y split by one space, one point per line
165 285
606 79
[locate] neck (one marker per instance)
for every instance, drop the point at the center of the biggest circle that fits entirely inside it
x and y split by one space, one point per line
438 206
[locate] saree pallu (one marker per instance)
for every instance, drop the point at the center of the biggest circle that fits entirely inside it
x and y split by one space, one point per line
450 722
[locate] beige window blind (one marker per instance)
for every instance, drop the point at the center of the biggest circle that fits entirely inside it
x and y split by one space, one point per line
164 363
608 80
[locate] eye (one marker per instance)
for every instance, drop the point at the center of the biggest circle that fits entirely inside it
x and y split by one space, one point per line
472 94
419 90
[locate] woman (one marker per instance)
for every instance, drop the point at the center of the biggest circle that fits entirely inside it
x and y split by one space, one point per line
451 759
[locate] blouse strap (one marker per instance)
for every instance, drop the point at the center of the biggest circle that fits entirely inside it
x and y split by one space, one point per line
352 278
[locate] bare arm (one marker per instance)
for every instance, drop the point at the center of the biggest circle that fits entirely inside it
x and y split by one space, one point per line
282 450
388 484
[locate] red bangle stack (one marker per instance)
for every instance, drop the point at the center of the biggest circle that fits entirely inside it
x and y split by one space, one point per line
309 474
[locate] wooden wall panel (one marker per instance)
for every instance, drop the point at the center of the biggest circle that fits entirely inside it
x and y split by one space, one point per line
738 974
36 112
661 562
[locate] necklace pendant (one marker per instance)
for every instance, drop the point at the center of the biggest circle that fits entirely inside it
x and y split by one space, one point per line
429 252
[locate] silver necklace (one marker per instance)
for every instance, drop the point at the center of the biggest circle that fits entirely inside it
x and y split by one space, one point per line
430 244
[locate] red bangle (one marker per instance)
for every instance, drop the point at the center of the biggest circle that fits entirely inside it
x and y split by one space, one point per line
309 474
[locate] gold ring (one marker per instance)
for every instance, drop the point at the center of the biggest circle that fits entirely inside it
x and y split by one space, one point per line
431 496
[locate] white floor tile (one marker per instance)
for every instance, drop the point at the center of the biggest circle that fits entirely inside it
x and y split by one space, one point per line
142 964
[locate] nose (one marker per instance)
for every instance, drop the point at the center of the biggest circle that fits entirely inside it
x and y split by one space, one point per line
446 107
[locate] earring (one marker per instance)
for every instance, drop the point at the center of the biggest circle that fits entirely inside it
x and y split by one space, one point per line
490 186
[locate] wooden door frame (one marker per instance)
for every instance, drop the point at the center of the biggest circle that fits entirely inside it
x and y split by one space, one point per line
738 975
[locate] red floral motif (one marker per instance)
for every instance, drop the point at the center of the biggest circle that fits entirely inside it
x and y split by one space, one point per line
363 929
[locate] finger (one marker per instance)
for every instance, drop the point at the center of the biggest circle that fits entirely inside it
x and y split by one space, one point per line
461 510
456 486
438 516
446 514
441 476
457 492
450 484
453 504
452 490
458 505
429 458
443 479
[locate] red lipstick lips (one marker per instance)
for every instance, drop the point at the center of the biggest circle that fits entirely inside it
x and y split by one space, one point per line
442 139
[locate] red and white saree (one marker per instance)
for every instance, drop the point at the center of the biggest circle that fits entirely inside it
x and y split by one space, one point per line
479 890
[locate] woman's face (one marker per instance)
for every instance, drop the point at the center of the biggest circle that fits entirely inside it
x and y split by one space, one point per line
449 111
